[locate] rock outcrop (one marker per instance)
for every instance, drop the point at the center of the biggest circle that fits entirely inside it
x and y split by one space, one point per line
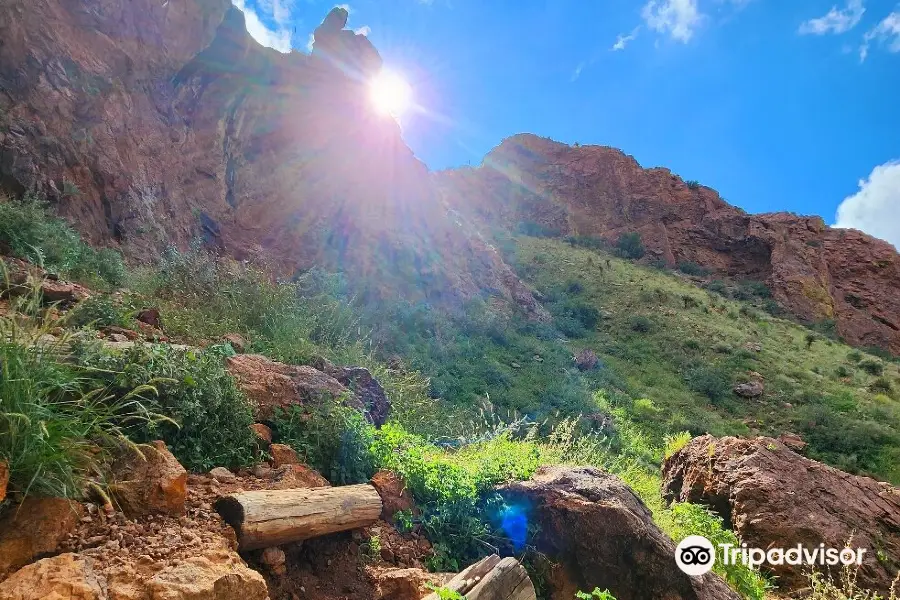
816 272
35 528
364 385
773 497
148 123
603 536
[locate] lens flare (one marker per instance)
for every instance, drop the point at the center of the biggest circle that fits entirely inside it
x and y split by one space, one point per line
390 94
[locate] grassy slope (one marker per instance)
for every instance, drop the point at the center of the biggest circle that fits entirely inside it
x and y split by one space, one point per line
819 391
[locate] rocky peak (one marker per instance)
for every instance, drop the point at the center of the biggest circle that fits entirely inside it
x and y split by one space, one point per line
350 51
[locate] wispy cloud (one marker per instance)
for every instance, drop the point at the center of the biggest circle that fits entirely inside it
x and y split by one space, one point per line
278 38
886 33
873 208
577 72
623 39
835 20
364 30
677 18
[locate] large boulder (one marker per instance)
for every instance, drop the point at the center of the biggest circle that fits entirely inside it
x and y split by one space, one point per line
272 385
773 497
603 536
364 385
216 575
63 577
34 529
152 481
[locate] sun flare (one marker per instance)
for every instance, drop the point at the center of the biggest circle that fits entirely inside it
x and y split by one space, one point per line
390 94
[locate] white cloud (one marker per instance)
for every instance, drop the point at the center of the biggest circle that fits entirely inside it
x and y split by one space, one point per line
887 32
678 18
623 39
279 38
577 72
835 20
364 30
874 208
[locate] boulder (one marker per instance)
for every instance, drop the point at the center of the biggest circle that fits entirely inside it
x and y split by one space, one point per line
602 535
297 476
395 497
35 528
773 497
221 474
402 584
215 575
364 385
282 454
262 433
63 577
150 316
586 360
150 482
272 385
4 479
751 389
274 560
63 292
793 441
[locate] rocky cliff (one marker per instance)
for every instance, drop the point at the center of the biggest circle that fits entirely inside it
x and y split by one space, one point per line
150 123
816 272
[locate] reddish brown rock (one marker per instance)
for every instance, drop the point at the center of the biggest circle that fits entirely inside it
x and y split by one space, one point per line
282 455
750 389
215 575
793 441
297 476
814 271
773 497
63 292
403 584
237 342
34 529
262 433
395 496
271 385
603 536
153 482
586 360
150 317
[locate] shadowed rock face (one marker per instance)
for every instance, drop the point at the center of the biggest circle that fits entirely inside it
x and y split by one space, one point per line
773 497
814 271
148 123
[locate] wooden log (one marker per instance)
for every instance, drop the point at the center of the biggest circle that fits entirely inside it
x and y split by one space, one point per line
267 518
492 578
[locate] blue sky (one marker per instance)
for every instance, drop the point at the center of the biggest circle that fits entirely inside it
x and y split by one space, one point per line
778 104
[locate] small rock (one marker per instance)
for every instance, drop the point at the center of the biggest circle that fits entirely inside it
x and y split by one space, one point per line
537 358
515 365
793 441
151 317
586 360
154 482
4 479
283 454
274 559
237 342
262 432
751 389
222 474
117 337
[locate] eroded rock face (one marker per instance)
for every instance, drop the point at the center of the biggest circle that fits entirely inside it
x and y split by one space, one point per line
218 575
64 577
34 529
603 536
395 497
814 271
773 497
366 388
152 482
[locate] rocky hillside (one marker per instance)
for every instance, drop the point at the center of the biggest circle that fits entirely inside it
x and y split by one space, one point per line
815 272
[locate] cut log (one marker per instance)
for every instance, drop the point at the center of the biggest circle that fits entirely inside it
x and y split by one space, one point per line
273 517
492 578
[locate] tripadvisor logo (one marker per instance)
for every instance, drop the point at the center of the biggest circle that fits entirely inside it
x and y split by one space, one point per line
696 555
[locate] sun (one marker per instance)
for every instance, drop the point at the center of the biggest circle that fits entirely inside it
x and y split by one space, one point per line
390 94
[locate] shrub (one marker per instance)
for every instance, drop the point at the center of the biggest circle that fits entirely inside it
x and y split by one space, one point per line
854 356
882 386
211 416
692 268
640 324
100 311
676 442
692 184
718 286
333 439
587 241
709 381
842 371
28 230
872 366
629 245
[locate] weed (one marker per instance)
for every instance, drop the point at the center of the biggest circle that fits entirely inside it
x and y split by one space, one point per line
629 245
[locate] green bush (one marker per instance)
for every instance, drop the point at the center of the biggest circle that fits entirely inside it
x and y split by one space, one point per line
718 286
629 245
692 268
211 416
101 311
331 438
872 366
710 381
28 230
693 185
640 324
882 386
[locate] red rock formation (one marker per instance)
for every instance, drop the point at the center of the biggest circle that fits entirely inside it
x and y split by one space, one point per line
814 271
149 123
773 497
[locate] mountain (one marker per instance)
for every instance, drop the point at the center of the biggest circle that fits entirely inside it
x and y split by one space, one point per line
817 273
148 124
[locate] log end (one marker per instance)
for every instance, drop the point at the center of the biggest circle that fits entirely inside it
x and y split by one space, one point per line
231 510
